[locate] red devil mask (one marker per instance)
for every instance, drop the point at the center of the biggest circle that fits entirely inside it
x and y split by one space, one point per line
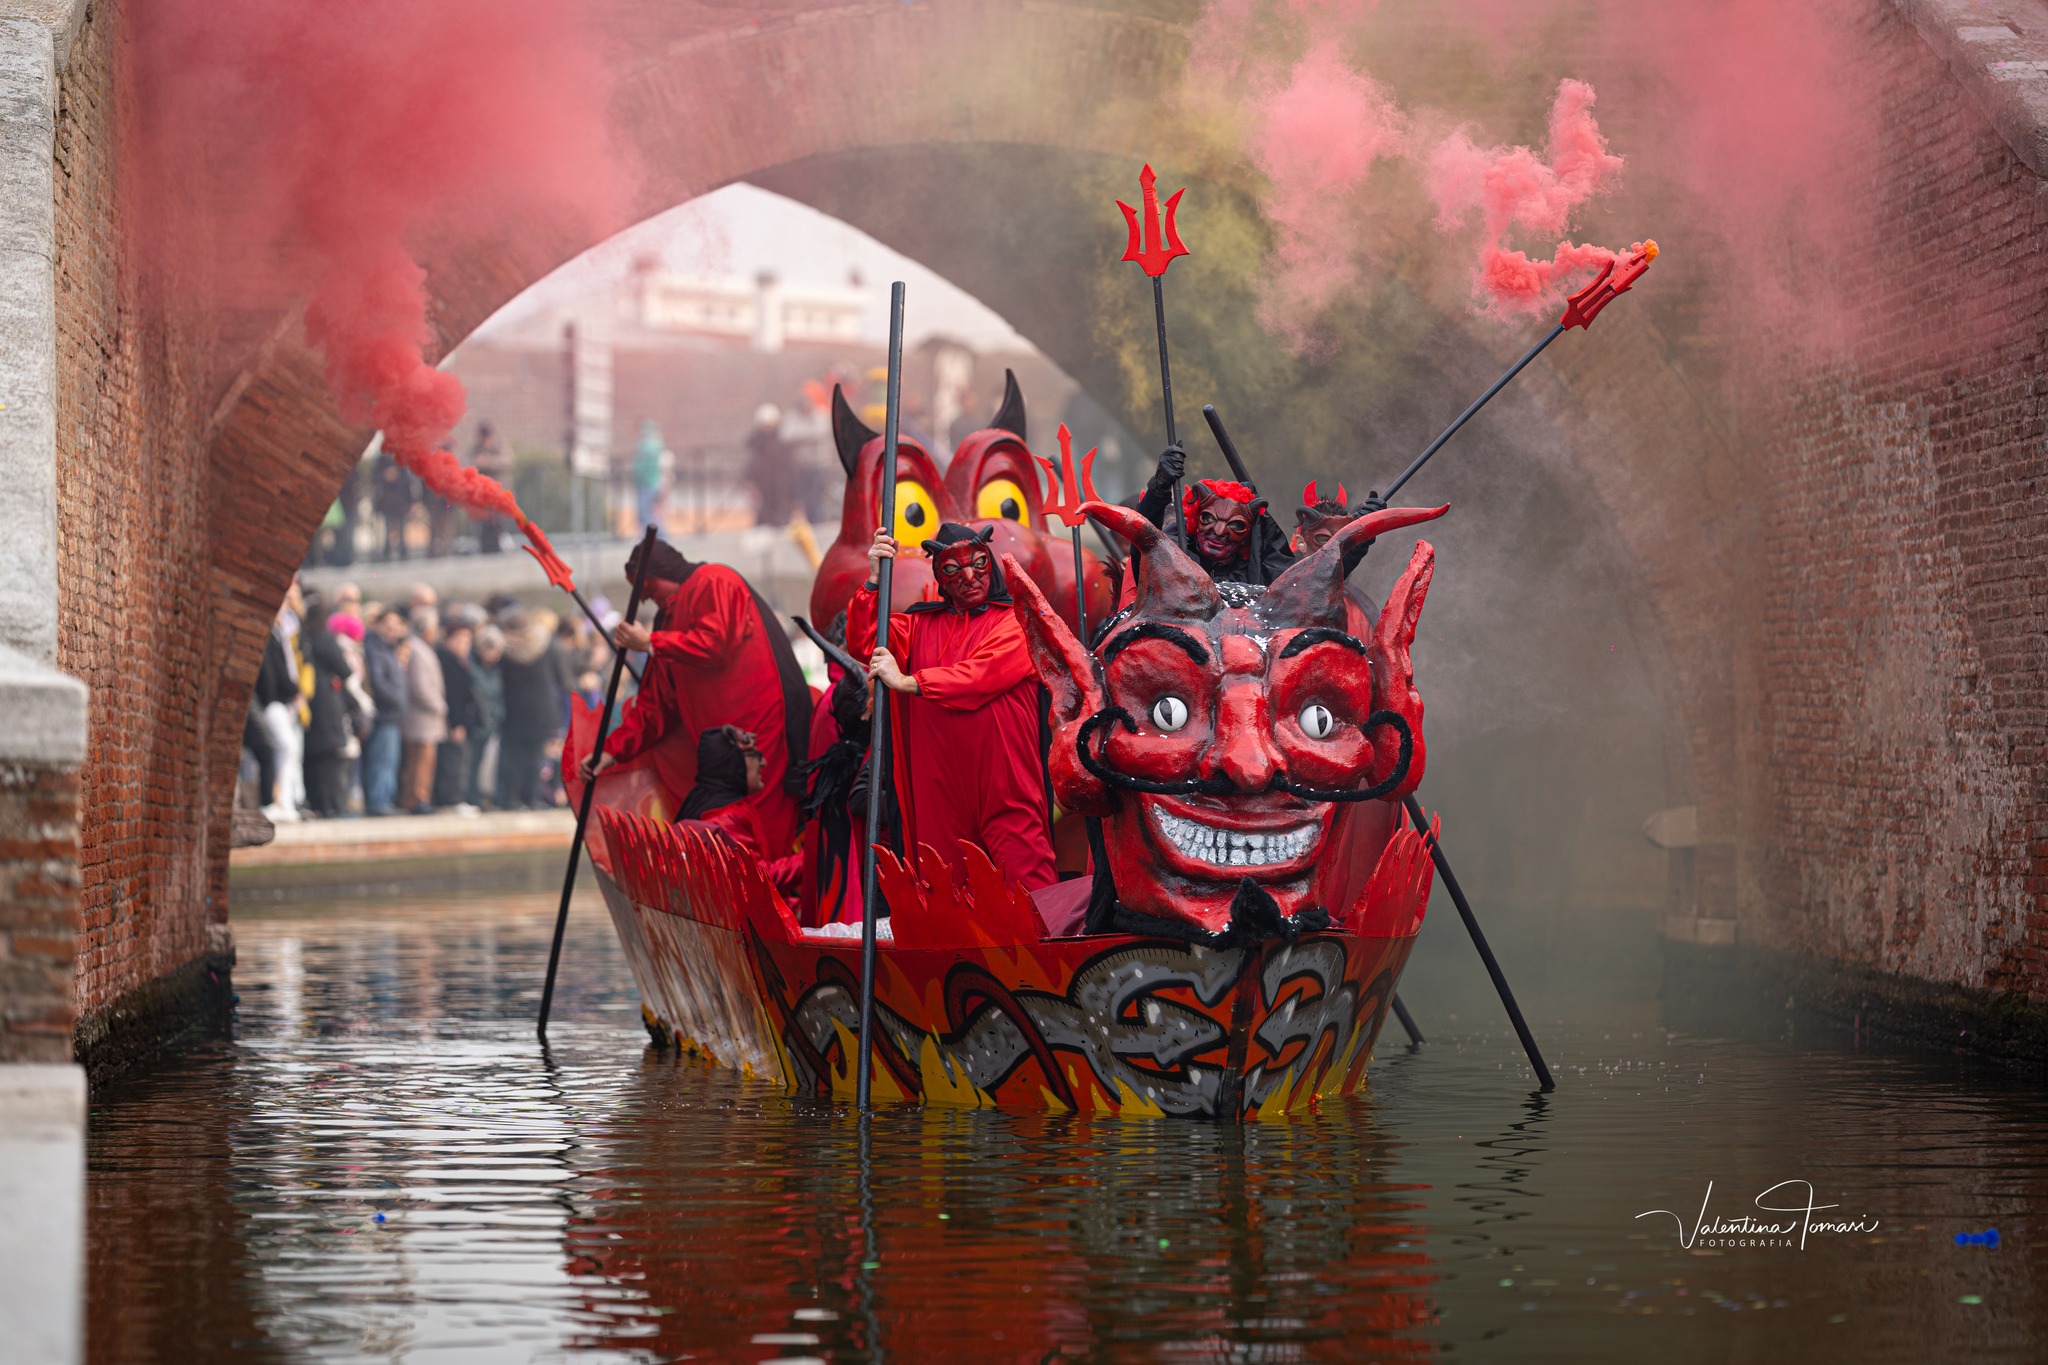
965 569
1219 725
1317 519
1219 518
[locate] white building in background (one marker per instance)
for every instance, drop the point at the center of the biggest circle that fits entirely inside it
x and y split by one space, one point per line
767 313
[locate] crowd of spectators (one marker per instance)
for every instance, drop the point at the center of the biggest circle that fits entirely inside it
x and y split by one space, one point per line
369 708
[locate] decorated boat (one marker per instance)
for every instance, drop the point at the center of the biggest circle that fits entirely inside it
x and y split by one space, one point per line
1234 751
1233 948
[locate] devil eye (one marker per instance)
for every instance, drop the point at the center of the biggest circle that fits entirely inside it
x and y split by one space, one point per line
1316 721
1169 713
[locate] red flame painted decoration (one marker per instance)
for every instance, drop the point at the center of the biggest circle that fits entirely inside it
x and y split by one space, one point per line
1153 257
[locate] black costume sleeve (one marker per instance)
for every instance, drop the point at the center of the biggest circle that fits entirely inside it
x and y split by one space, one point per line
1273 549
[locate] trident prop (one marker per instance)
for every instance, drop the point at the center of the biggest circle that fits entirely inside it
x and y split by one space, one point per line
558 574
878 738
1579 311
604 725
1153 256
1072 492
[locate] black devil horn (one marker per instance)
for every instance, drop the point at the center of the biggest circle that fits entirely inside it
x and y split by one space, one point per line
849 433
1010 416
1171 586
1311 592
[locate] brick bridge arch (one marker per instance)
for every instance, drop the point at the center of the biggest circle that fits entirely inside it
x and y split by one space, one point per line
194 458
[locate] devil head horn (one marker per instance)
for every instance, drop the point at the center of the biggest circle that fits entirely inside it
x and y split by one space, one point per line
1010 416
849 433
1311 592
1308 494
1171 586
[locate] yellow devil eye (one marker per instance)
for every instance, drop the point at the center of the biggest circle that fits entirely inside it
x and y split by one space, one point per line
1002 498
917 516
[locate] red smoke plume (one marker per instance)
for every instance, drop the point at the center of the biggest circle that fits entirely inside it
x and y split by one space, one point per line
302 150
1740 115
1511 187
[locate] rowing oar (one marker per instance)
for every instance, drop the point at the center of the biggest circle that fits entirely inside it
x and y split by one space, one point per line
1066 492
878 737
1244 476
1580 310
604 725
1407 1022
1500 982
1153 256
603 634
831 651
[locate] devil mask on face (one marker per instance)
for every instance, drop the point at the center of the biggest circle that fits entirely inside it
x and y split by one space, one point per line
1217 726
965 568
1317 519
1219 519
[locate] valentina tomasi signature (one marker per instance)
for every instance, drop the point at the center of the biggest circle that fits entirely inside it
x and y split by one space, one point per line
1749 1230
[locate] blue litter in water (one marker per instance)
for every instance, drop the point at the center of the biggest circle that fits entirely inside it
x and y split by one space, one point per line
380 1217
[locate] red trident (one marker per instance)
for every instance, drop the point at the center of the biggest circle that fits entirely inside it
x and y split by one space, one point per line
1612 282
1152 258
544 552
1073 494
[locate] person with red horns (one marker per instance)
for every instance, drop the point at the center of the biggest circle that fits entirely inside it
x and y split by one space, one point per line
1220 515
968 760
716 657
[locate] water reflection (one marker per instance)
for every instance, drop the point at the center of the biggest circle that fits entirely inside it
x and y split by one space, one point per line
383 1166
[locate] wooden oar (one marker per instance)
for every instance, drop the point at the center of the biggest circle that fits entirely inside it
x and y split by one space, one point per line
1500 981
604 725
878 738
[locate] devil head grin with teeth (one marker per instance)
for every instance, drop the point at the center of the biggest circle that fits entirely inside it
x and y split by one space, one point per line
1218 728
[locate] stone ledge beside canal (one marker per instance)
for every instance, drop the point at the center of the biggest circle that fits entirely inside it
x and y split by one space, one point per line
1747 991
42 1211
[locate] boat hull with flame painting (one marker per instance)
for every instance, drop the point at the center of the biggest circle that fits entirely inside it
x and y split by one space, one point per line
1005 1014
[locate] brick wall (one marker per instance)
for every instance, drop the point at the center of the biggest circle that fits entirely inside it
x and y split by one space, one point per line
38 910
1898 820
134 564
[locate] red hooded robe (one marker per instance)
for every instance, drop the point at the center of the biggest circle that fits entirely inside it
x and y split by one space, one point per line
712 665
966 758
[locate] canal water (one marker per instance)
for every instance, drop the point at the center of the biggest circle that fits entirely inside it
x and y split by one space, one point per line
381 1165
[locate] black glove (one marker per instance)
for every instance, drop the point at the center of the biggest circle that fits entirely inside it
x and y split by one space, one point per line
1173 467
1373 503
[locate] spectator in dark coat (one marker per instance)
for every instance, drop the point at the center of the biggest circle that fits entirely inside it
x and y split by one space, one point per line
465 714
534 705
384 748
486 675
331 732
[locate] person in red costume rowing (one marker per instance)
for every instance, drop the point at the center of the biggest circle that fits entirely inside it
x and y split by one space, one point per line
715 657
967 757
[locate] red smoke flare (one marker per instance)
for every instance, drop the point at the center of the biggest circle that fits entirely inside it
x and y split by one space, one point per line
302 148
1512 187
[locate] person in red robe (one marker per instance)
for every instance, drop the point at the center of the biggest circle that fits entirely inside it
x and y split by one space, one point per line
967 760
716 656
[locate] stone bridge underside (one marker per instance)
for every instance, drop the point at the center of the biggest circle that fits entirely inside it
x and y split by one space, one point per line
1832 571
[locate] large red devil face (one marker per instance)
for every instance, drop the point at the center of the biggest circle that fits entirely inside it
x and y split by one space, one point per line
921 504
1218 726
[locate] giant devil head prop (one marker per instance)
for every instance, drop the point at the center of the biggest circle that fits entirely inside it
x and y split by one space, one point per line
1218 727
